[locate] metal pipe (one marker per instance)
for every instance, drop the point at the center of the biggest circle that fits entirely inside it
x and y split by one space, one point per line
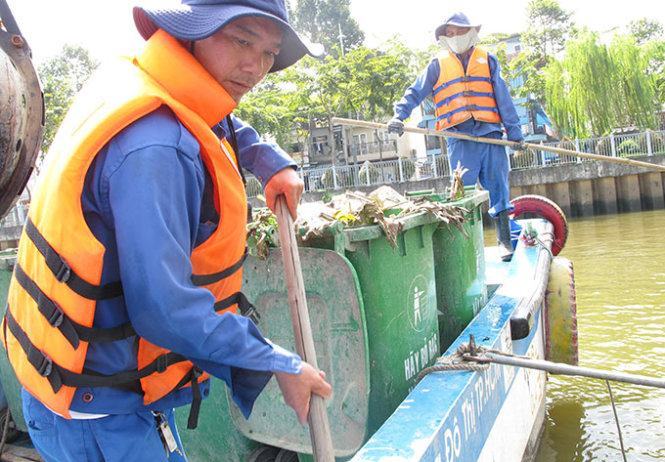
512 144
565 369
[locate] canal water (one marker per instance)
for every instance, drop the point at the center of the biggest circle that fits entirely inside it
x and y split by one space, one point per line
619 264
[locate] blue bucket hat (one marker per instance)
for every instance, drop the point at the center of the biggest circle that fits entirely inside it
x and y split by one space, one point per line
199 19
455 19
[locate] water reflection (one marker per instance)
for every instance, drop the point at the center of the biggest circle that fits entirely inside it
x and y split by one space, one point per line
619 266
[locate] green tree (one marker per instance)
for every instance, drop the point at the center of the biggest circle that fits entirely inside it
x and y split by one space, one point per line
365 82
525 68
323 20
549 27
62 77
596 88
368 81
266 108
645 30
494 38
654 51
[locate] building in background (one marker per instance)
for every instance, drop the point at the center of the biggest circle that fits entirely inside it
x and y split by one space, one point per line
344 145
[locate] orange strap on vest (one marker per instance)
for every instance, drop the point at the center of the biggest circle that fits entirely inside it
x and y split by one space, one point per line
56 284
460 95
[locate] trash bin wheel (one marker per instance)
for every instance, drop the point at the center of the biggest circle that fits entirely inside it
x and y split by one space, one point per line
286 456
12 432
264 454
544 208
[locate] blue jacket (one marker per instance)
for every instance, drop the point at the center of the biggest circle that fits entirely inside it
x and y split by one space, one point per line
148 200
422 87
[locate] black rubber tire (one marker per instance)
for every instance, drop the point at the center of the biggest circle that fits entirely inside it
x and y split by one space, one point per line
264 454
286 456
12 432
544 208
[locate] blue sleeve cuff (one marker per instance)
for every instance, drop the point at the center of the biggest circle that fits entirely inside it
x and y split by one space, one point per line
514 134
245 385
284 360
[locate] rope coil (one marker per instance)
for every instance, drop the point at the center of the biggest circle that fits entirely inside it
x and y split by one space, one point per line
456 362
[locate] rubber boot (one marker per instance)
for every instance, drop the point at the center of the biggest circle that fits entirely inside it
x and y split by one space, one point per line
503 236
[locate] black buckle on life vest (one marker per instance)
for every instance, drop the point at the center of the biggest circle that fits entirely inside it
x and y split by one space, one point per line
46 367
161 363
249 311
466 93
472 107
64 272
195 408
465 78
245 307
57 316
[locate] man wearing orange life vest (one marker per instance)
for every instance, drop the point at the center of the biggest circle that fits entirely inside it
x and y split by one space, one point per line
469 97
126 292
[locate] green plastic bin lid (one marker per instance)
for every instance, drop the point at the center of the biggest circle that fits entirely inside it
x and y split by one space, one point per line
339 330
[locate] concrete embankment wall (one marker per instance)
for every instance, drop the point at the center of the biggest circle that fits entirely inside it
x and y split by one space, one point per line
581 189
595 188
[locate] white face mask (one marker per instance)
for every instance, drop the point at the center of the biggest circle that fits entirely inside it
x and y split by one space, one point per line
460 43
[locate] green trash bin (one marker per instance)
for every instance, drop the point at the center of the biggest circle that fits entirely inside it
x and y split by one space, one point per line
373 314
373 310
338 326
10 385
459 267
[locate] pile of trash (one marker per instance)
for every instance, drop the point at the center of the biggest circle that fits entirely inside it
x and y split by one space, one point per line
384 207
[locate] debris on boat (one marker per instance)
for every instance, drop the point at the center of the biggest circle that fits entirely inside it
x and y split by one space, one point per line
457 186
384 207
262 233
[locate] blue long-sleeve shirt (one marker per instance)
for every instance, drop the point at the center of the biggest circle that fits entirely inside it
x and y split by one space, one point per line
424 84
148 200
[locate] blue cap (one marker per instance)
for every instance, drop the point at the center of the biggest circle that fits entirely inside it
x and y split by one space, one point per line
455 19
199 19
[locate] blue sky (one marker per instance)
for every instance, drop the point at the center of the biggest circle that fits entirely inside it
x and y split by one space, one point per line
106 27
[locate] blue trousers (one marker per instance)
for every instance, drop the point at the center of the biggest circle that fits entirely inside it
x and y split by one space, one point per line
121 438
487 163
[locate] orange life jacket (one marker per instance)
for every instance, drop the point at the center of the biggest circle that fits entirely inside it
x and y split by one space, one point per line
460 95
56 284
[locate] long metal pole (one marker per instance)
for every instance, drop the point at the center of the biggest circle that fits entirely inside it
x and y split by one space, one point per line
512 144
319 428
566 369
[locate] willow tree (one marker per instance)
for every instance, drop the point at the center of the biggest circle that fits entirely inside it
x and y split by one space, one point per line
596 88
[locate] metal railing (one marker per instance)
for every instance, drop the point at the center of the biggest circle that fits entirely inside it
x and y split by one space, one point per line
369 174
338 177
649 143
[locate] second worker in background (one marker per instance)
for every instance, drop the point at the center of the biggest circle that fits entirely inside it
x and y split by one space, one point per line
470 97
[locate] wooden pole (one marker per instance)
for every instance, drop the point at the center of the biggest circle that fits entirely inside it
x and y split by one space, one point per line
319 428
512 144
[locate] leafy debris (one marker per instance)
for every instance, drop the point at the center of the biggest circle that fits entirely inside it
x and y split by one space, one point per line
457 186
384 207
262 233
